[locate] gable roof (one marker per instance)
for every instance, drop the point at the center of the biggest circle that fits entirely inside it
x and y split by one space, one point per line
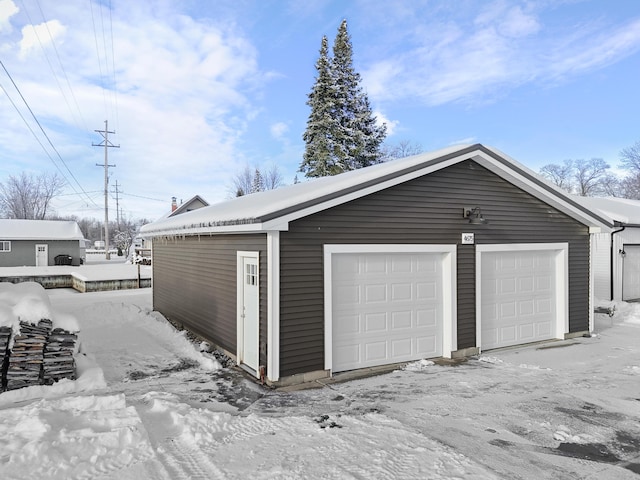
16 229
622 211
274 209
192 204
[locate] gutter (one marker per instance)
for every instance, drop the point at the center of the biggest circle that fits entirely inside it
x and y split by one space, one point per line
611 279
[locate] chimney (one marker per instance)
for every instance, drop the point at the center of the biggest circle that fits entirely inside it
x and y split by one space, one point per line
174 205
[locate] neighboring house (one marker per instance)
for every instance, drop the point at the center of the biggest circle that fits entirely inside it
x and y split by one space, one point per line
38 242
615 255
443 254
188 206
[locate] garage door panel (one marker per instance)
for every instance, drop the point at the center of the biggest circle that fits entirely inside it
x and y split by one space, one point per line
522 308
397 314
348 295
401 320
427 346
401 264
375 351
401 347
401 292
375 293
631 272
375 322
347 324
427 317
527 332
427 291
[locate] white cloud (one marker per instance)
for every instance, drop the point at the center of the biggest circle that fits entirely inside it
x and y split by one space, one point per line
279 130
185 94
503 46
36 36
518 24
381 119
7 10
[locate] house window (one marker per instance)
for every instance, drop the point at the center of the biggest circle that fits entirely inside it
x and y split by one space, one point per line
5 246
251 274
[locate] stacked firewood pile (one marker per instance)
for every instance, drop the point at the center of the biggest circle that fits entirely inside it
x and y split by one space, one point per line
39 355
58 356
5 336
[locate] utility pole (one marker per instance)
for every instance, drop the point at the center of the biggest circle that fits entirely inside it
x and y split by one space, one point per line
106 144
117 205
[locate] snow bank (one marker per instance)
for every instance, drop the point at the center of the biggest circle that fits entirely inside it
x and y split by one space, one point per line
629 312
29 302
72 437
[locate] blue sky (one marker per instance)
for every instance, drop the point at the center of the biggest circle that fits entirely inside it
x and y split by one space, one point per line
195 91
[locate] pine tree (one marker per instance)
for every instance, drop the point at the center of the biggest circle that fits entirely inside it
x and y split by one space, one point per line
258 183
318 159
341 131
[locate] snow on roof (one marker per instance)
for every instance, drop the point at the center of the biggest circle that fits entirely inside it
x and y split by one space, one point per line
623 210
274 208
13 229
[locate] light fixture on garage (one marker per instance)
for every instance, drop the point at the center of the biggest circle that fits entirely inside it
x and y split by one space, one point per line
474 215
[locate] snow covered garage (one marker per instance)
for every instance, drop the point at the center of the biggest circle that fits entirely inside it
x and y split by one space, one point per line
438 255
615 255
39 243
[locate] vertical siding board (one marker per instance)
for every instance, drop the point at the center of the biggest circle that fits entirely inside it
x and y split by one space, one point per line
194 284
425 210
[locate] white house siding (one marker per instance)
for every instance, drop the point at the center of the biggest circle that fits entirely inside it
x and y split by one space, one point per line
601 265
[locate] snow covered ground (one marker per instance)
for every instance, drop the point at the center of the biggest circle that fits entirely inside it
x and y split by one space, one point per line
149 405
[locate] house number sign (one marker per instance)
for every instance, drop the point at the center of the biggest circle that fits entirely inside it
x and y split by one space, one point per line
467 239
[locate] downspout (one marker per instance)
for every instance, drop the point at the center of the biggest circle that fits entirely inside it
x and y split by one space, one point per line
611 279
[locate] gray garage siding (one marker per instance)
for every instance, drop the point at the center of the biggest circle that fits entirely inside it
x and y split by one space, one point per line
23 252
426 210
194 284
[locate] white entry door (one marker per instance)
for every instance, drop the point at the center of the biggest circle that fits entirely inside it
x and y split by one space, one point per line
248 310
42 255
631 273
386 308
519 293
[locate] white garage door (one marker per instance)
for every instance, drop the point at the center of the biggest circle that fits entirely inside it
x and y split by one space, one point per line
386 308
631 273
518 297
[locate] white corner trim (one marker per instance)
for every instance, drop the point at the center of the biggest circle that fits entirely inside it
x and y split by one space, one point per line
273 306
449 279
562 281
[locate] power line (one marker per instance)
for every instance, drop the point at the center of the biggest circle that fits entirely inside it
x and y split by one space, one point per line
43 132
64 72
146 198
113 67
95 36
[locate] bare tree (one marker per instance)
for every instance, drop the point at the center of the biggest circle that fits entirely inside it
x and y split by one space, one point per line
631 157
589 176
28 196
561 175
242 182
272 178
254 180
630 186
401 149
583 177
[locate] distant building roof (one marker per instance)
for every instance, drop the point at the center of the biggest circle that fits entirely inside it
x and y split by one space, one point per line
622 210
12 229
192 204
